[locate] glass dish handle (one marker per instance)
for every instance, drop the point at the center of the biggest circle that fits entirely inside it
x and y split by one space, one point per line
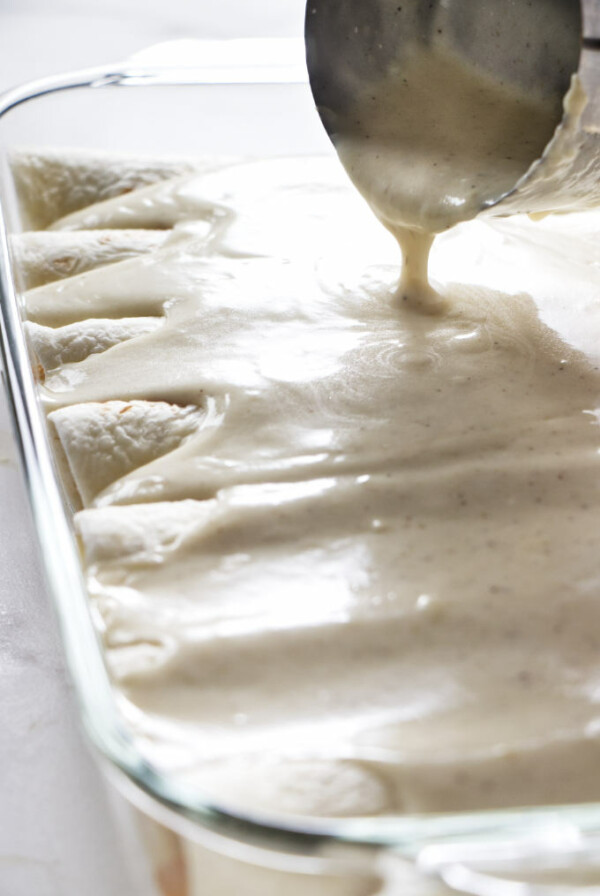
517 868
181 63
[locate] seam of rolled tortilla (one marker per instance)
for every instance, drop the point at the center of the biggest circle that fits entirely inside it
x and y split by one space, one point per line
68 487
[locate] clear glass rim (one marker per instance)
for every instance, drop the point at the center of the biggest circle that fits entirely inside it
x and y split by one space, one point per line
407 835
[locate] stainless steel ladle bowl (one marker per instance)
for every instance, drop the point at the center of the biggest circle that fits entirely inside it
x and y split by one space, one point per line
356 47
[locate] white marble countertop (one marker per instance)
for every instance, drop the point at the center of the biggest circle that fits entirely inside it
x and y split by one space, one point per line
57 835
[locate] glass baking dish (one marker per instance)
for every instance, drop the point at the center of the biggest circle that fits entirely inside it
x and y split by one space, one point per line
222 98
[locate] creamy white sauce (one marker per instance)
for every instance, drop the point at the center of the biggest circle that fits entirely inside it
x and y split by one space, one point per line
364 579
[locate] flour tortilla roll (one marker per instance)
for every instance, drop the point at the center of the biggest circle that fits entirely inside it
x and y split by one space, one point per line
75 342
55 182
104 441
118 293
137 533
44 257
312 786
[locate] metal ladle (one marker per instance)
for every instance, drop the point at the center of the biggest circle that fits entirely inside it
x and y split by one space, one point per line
359 47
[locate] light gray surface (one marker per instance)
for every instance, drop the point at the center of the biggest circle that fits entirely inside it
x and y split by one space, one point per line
57 836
